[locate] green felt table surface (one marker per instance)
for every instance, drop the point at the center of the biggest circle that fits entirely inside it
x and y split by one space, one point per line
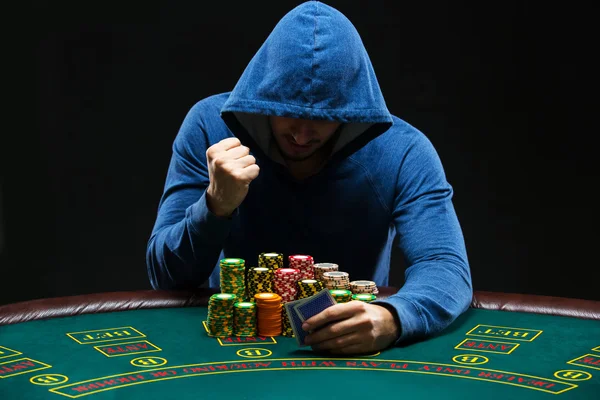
167 354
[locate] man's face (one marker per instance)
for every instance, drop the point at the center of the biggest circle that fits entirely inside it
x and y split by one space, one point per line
299 139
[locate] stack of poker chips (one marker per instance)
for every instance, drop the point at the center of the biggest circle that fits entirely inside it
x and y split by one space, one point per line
365 297
244 318
341 295
270 260
233 276
286 326
285 283
321 268
336 280
359 287
220 314
259 280
304 264
308 287
269 314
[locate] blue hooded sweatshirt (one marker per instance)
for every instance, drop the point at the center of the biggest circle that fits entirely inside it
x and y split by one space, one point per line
383 184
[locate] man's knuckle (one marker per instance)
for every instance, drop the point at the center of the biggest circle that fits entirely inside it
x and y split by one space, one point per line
368 323
238 174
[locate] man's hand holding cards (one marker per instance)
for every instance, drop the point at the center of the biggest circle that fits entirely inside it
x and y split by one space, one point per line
354 327
301 310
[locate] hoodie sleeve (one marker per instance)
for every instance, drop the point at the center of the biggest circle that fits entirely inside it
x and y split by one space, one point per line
438 285
187 237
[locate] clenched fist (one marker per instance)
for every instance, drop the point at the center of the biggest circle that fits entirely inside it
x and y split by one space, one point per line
231 168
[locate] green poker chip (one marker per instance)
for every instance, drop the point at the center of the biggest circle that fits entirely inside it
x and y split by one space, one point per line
364 297
244 304
224 296
340 292
232 261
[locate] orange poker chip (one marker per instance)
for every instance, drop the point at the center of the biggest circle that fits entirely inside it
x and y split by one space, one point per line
268 314
270 320
267 297
270 306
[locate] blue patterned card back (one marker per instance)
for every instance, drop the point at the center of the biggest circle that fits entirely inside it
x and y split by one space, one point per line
313 305
295 321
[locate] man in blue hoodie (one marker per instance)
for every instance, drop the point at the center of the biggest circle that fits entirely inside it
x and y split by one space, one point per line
303 157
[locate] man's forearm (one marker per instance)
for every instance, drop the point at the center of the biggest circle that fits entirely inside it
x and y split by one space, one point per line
434 295
183 255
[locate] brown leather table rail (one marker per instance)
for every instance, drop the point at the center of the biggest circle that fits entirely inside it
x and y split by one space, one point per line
122 301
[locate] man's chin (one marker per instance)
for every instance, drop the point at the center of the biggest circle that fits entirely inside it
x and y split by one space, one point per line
290 155
297 157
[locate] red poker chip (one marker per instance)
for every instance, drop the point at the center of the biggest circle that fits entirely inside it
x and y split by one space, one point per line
286 271
300 257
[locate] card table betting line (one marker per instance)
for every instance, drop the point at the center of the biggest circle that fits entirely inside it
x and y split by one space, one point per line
156 345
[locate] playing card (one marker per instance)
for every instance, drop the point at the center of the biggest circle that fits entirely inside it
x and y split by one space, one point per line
314 304
295 321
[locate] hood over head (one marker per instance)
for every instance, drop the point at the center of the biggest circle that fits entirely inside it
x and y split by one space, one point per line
313 65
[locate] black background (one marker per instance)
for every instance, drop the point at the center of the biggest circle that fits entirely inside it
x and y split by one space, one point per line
503 90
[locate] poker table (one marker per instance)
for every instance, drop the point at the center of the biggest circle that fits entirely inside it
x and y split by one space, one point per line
154 345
